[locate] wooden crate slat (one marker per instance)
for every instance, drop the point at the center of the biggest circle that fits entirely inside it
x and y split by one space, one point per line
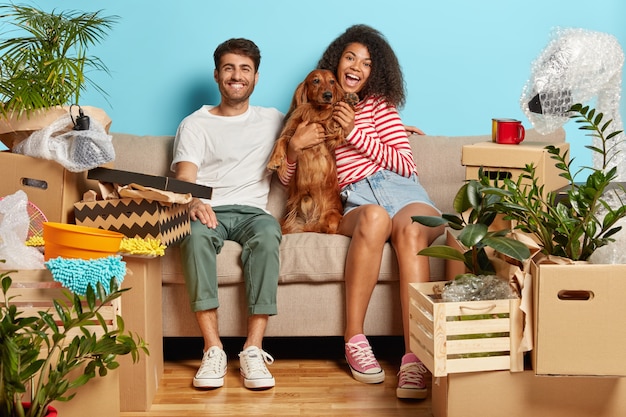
467 327
473 346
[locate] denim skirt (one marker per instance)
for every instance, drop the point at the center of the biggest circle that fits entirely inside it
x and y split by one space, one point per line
387 189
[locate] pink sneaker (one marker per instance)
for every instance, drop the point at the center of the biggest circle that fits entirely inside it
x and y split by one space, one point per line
363 364
411 381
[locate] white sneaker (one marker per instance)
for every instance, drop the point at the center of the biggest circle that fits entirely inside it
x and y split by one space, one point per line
252 366
212 369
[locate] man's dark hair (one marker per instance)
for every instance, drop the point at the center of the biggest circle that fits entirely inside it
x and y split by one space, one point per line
239 46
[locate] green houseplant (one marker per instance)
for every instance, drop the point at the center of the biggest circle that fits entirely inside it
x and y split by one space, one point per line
43 56
54 352
475 206
568 223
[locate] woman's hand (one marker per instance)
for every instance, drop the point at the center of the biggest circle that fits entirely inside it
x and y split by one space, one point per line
413 129
306 135
344 115
202 212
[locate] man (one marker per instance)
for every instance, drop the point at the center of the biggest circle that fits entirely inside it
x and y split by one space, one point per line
227 147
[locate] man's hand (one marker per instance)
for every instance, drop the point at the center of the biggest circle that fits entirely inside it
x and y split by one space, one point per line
202 212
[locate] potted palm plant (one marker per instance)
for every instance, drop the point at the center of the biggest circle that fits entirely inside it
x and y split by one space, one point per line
44 59
51 353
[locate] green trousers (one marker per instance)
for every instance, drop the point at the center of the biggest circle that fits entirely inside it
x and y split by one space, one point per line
259 235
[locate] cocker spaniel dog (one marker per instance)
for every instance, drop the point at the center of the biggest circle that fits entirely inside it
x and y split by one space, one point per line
313 203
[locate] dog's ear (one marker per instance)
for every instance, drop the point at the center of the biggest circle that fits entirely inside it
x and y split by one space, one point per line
300 96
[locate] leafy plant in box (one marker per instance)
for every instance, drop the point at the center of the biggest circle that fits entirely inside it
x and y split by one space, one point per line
475 206
40 351
573 222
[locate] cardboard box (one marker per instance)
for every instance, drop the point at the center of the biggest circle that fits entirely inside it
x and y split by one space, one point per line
578 320
142 315
524 394
469 336
120 177
49 186
34 291
507 161
136 217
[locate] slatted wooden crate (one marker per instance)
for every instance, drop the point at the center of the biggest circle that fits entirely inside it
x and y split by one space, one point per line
33 291
469 336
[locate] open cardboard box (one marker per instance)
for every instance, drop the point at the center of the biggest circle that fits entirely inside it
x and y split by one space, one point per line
136 217
116 176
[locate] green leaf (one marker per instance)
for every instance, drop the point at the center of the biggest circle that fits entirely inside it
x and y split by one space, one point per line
472 234
431 221
509 247
442 252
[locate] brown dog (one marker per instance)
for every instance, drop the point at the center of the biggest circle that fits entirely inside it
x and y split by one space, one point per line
314 204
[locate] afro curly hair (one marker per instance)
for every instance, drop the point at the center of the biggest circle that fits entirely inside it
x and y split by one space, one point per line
386 79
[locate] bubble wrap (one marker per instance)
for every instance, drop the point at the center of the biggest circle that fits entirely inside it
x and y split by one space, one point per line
613 252
76 150
468 287
577 66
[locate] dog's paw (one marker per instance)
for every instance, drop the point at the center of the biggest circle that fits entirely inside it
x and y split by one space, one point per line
351 98
274 165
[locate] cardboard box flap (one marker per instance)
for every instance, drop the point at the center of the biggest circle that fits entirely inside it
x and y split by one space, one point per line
117 176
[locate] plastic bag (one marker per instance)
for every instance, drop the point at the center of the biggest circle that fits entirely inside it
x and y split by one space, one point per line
76 150
14 223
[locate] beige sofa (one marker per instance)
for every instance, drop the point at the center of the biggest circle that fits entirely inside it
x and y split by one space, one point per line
311 288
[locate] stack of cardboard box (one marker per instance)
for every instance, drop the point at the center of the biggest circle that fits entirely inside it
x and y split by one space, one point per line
578 362
57 192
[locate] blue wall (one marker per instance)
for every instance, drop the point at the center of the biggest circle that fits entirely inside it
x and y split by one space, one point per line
464 62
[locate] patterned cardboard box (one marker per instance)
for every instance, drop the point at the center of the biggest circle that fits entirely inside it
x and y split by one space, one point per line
136 217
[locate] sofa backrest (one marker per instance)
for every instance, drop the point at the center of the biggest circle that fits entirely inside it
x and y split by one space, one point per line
438 160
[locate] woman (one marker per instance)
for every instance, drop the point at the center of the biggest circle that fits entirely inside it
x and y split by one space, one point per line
381 191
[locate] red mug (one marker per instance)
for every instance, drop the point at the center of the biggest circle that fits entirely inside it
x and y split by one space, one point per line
509 132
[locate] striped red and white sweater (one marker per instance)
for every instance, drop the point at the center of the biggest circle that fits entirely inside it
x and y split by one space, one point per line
378 141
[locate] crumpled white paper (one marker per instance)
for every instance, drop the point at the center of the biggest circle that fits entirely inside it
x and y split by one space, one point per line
14 223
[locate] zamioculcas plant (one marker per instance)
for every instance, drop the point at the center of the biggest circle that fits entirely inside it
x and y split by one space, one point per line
573 222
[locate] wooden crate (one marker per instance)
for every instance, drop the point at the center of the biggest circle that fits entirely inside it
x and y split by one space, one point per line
34 290
470 336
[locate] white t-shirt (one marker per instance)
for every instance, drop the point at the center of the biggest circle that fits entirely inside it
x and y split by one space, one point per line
231 153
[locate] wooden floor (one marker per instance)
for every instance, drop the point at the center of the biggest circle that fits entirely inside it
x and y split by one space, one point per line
312 379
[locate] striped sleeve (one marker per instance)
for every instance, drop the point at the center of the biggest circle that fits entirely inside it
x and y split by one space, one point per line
379 140
288 173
